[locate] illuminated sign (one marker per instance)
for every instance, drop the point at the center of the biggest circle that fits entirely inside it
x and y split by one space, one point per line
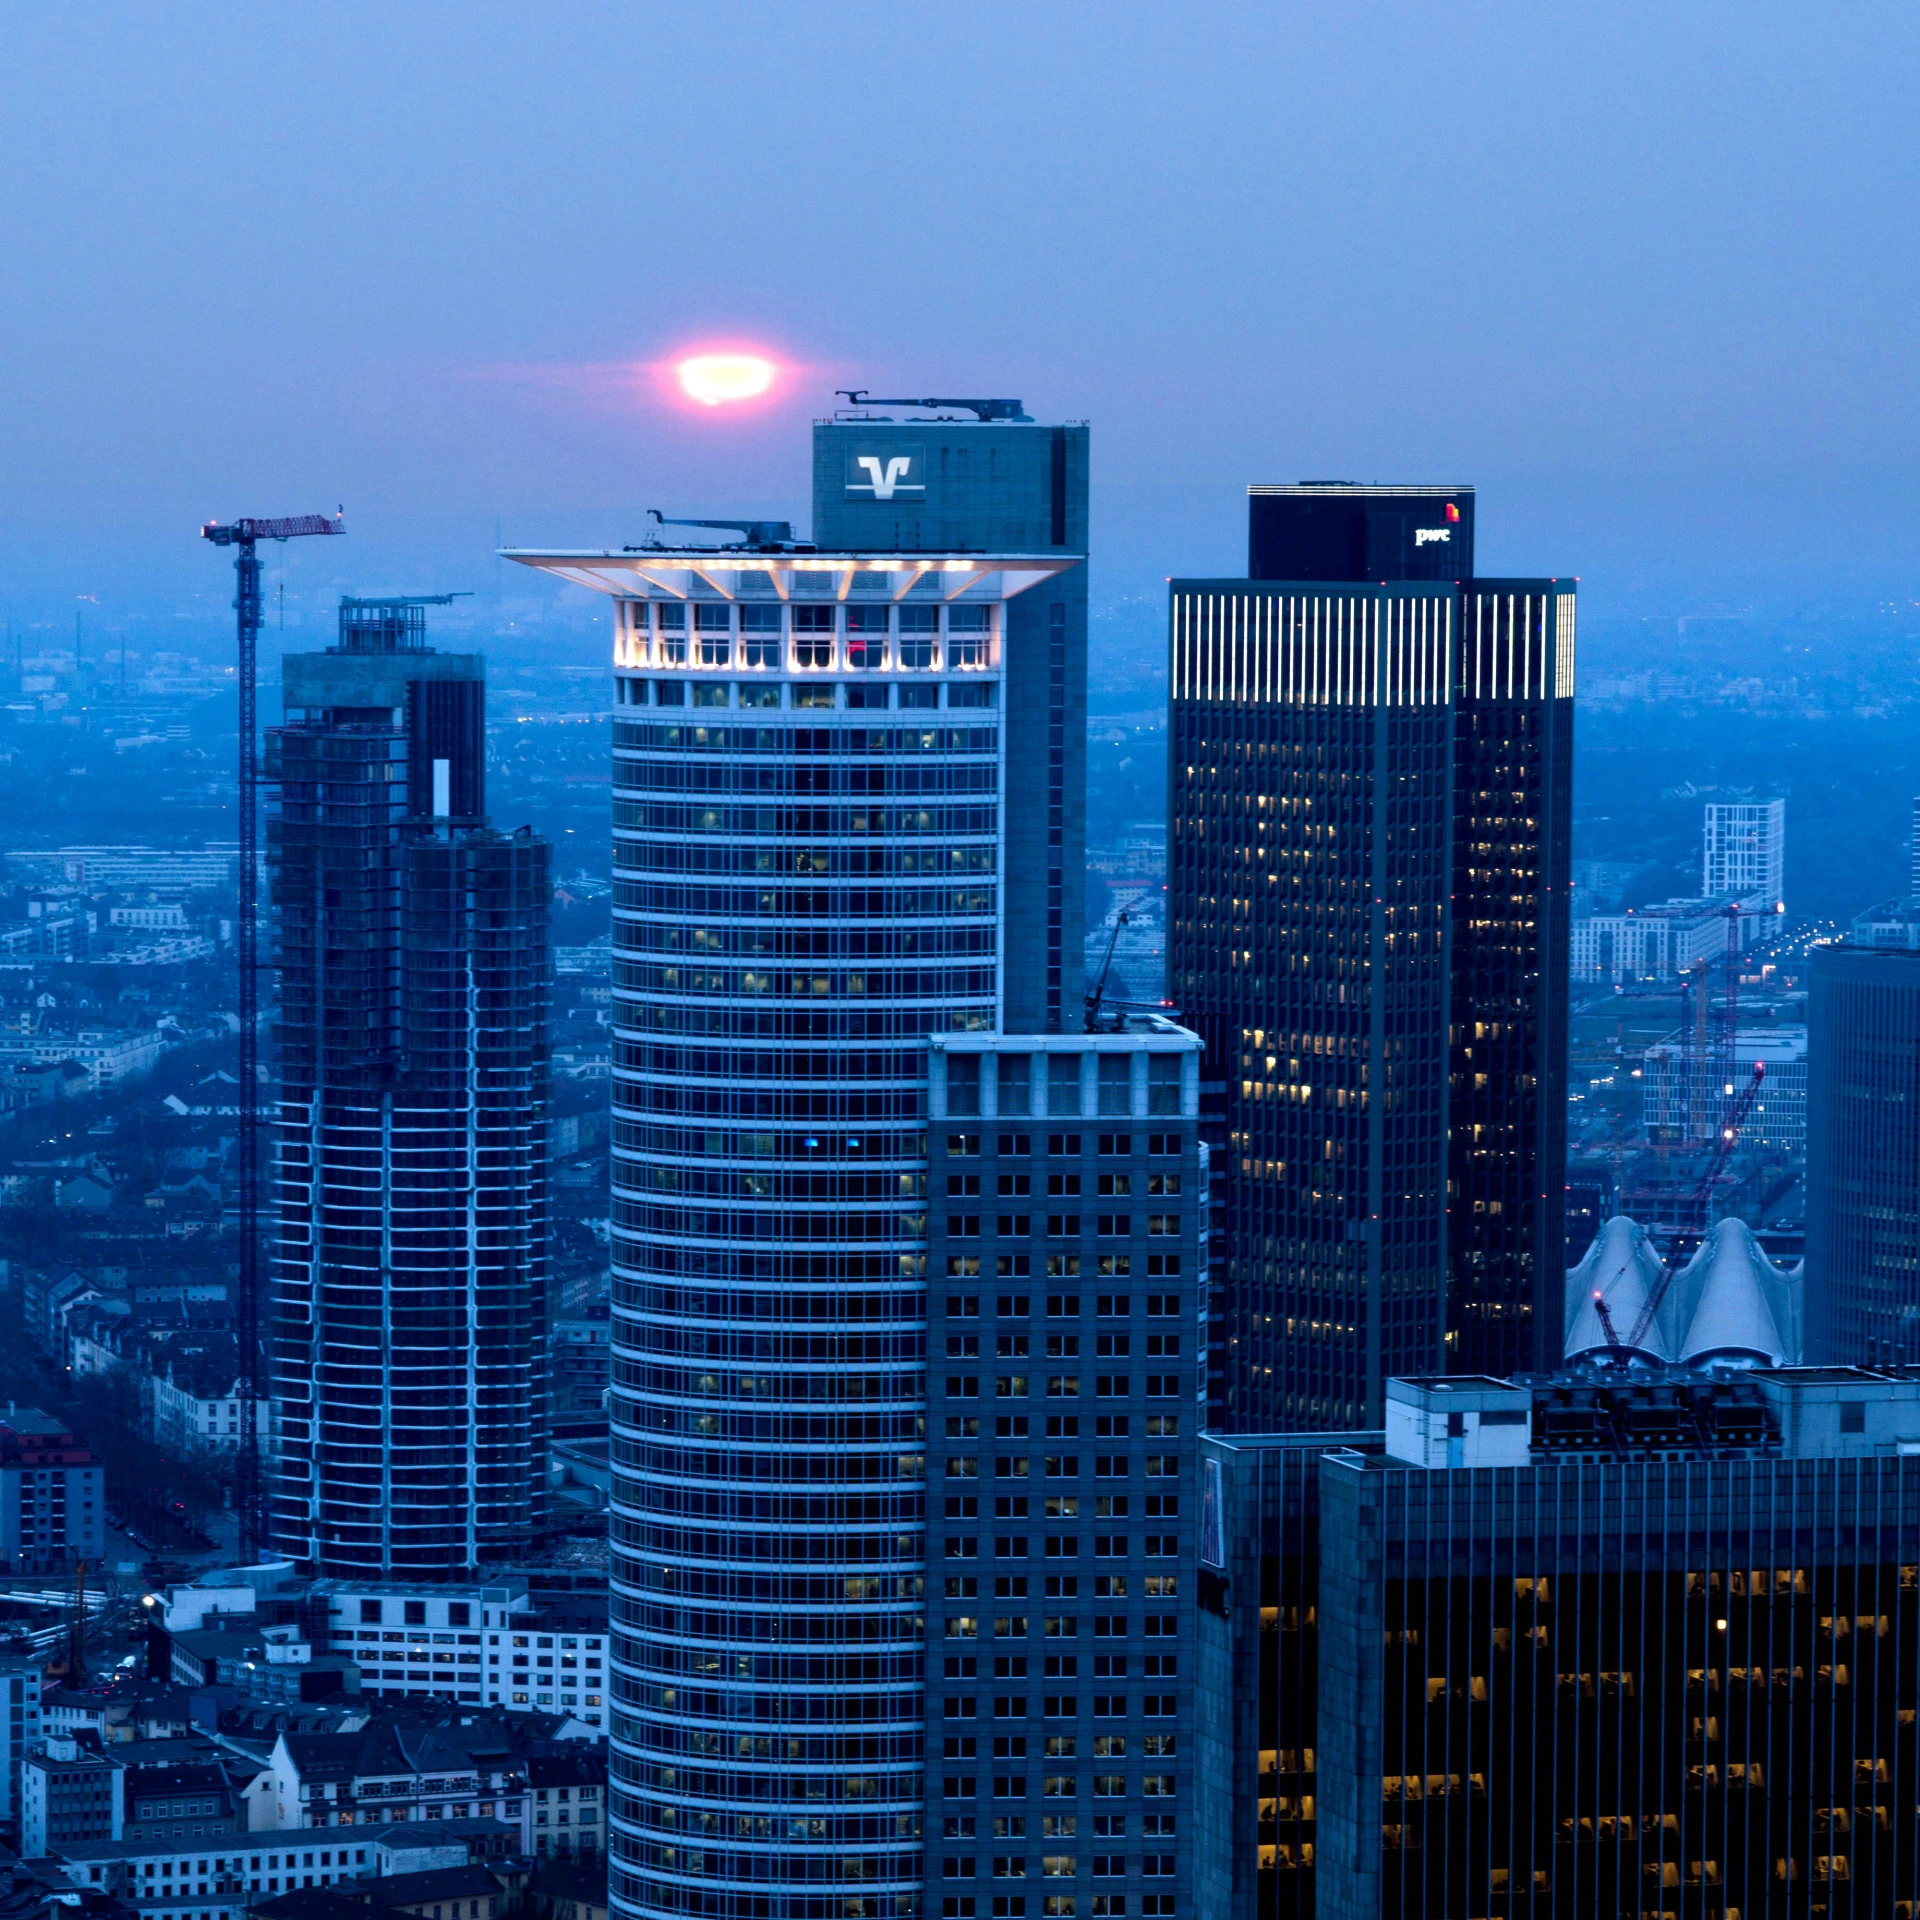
1423 535
876 472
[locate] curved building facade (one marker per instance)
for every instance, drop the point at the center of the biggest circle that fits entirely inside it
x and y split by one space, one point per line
813 854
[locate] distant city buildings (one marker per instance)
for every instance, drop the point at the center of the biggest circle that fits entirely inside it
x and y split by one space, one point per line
1673 1101
53 1504
408 1305
1745 852
1742 864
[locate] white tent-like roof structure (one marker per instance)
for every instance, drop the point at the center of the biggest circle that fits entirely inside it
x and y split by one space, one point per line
1735 1306
1729 1306
1621 1269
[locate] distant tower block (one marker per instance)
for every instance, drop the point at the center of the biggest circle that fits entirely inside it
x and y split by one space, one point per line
1913 854
1745 853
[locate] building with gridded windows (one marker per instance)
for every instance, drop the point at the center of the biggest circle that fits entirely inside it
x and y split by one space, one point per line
1369 882
847 817
407 1327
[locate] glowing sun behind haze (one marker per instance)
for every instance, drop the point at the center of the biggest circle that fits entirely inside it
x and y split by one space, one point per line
720 379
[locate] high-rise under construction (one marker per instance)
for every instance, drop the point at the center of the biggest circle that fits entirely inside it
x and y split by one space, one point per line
408 1303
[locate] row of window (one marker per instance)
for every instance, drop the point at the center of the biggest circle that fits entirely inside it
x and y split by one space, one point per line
1059 1266
1107 1226
804 696
803 743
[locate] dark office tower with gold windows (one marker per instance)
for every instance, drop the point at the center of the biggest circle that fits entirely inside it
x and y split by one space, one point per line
1507 967
1367 890
409 1265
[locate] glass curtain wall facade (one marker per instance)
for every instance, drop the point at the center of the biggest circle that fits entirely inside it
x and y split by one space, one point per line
407 1313
811 850
847 791
1311 771
1507 970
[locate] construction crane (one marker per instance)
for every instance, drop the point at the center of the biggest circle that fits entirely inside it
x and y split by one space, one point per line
1099 992
1693 1219
244 536
982 410
77 1635
763 536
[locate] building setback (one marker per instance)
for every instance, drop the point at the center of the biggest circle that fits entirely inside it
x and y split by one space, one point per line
1569 1649
408 1317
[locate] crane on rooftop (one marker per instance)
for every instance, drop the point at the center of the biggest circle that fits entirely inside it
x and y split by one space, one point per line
764 536
982 410
244 536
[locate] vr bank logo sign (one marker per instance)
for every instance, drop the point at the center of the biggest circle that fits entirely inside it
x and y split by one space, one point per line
886 473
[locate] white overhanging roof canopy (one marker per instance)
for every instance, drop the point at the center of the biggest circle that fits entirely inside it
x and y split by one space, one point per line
674 570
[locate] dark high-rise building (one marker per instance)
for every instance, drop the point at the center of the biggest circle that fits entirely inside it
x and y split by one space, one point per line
1567 1649
1369 877
1507 969
408 1314
1863 1156
1309 872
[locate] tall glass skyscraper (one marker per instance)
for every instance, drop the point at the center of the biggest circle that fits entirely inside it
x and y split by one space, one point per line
847 815
408 1310
1369 873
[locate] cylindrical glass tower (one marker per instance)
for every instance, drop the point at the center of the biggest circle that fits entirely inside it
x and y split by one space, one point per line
807 866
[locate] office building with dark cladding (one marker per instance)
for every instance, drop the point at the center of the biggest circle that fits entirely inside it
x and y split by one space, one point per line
1507 975
1295 786
408 1306
1066 1335
1309 822
1572 1648
1863 1156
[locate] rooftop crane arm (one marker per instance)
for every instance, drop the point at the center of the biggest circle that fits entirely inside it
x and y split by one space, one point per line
764 534
983 410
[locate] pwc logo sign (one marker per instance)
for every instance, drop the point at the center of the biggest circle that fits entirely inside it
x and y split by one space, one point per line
887 471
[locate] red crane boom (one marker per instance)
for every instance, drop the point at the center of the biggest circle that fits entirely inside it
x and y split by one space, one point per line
1693 1218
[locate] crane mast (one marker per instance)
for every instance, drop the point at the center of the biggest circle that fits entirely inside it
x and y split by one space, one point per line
244 537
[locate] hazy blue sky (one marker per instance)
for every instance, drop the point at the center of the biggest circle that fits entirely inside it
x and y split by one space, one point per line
1645 273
